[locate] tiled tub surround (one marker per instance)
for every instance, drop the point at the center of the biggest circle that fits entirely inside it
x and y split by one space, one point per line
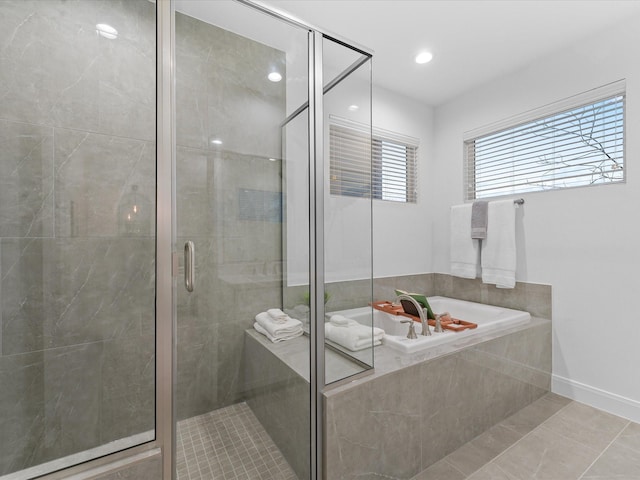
530 297
415 409
77 133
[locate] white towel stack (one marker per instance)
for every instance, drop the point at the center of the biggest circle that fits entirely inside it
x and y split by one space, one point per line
277 326
351 334
277 315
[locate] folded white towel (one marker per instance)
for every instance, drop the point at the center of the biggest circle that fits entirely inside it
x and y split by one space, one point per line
281 338
464 249
277 330
352 338
499 248
361 331
341 321
277 315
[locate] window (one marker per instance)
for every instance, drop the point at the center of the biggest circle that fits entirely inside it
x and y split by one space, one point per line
383 166
578 144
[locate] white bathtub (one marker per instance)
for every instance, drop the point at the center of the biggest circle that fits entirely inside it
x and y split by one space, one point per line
486 316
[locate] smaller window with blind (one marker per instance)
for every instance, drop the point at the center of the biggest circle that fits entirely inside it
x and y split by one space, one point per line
582 144
381 166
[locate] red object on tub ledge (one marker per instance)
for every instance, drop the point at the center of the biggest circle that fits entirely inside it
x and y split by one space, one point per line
448 323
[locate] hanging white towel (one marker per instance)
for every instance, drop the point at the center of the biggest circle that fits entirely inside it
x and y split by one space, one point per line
499 248
464 249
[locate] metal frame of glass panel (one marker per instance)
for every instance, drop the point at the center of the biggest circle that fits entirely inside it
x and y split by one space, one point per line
166 260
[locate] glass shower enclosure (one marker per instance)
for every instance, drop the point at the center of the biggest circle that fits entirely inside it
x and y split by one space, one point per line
165 178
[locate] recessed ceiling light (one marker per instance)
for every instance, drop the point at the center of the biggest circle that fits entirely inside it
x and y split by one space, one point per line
424 57
106 31
274 77
353 108
273 159
216 141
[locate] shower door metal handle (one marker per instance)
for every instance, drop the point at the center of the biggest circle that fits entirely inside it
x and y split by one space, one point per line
189 262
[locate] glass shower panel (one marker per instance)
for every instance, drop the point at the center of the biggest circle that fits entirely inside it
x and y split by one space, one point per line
77 231
350 338
239 75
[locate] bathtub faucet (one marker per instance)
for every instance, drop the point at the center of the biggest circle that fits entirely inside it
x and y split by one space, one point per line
410 305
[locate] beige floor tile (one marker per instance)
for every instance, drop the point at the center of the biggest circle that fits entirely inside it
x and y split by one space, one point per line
587 425
630 437
490 472
482 449
617 462
441 470
546 455
538 412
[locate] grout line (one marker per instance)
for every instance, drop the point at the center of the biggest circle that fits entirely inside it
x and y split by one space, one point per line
520 439
456 468
604 450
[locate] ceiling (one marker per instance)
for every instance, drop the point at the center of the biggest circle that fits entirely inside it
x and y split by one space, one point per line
472 41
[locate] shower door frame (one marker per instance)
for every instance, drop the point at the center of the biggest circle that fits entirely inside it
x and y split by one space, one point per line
167 280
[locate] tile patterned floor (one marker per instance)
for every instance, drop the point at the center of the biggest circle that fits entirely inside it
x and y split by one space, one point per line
228 444
551 439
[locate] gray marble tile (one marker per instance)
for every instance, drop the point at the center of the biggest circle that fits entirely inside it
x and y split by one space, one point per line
396 411
23 294
221 80
384 288
279 397
22 398
492 472
597 433
128 387
94 196
530 297
26 180
630 437
531 416
72 392
76 78
618 461
546 455
97 289
441 470
196 369
352 441
482 449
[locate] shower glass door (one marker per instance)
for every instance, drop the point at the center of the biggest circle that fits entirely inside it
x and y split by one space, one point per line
77 231
242 397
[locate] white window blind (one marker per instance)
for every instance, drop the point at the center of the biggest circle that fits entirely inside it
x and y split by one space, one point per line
579 146
382 167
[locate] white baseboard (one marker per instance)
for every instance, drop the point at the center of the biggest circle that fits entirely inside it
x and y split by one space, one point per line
601 399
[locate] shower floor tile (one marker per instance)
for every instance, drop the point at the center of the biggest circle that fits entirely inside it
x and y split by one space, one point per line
228 444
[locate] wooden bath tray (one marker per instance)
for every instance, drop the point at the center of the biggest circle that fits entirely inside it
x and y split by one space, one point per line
453 324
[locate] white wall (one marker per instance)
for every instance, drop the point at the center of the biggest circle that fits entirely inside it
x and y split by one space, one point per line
402 242
401 233
584 241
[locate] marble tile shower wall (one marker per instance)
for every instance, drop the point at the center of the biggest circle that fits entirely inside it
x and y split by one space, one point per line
77 136
228 201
